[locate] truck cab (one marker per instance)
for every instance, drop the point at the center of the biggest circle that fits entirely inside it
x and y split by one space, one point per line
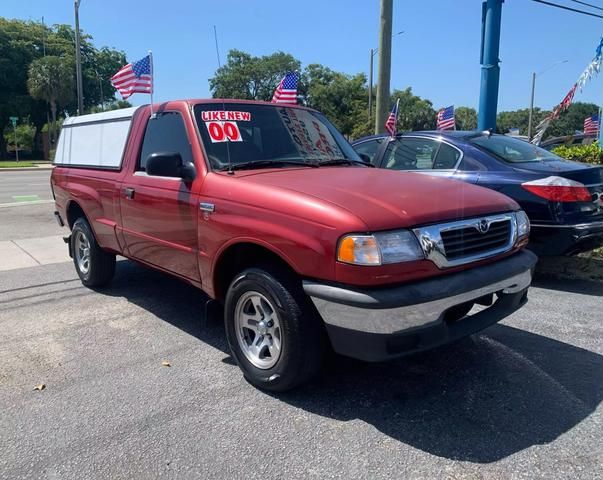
269 211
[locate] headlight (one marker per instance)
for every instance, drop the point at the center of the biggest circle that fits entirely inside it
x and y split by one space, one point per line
523 224
379 249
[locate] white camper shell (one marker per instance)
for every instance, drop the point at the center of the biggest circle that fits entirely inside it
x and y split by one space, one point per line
95 141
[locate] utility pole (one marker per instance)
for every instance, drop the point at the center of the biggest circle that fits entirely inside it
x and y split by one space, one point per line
531 107
534 75
488 98
78 59
385 62
370 92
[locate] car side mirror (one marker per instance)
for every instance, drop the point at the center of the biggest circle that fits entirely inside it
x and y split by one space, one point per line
170 164
364 157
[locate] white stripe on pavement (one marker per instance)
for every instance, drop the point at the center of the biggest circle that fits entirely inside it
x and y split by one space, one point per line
18 204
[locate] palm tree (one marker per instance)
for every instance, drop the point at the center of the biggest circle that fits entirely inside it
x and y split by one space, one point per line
51 78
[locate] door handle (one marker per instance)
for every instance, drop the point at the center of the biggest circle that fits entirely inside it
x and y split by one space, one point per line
129 192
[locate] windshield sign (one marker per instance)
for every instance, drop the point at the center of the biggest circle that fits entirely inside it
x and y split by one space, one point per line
512 150
269 135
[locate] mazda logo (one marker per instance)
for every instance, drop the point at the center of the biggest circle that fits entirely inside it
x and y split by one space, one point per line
483 226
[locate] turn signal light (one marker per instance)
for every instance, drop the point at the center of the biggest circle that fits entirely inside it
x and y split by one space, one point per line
558 189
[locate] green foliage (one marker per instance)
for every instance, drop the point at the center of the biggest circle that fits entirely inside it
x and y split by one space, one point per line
25 136
119 104
592 153
519 119
466 118
51 79
572 119
415 113
342 98
251 78
22 42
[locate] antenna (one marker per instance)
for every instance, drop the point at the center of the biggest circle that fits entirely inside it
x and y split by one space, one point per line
230 170
217 49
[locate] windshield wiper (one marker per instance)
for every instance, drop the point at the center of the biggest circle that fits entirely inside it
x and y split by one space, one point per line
266 164
345 161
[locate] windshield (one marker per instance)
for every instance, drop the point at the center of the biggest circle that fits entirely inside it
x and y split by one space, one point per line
270 135
512 150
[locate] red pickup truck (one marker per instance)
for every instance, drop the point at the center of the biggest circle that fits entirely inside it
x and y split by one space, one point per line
268 209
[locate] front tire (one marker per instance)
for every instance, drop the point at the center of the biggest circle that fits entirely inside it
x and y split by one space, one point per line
94 266
274 333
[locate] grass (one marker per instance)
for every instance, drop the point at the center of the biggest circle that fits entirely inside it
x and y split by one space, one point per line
12 164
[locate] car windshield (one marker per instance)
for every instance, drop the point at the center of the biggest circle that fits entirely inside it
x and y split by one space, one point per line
272 136
511 149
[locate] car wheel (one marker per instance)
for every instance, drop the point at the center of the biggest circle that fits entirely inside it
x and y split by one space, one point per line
274 333
94 266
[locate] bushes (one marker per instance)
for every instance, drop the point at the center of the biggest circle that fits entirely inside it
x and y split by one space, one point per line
592 153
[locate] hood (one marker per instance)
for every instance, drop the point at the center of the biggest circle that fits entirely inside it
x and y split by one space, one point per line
386 199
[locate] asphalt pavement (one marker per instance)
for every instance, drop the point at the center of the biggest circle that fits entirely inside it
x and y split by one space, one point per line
25 187
520 400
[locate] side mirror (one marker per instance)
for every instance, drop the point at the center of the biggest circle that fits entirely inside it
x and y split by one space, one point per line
364 157
170 164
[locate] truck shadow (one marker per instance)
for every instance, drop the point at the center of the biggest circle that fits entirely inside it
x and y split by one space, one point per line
480 400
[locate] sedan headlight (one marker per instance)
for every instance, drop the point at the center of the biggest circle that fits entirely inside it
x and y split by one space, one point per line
523 224
379 249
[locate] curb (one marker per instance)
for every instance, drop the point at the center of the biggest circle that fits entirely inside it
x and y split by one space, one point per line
25 169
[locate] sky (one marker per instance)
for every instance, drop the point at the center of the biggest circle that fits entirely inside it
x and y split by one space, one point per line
437 55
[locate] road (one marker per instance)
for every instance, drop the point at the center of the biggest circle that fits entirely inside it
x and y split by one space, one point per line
26 186
520 400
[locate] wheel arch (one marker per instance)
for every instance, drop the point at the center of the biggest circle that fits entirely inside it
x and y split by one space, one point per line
241 255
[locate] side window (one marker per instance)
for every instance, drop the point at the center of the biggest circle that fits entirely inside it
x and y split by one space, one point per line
411 154
446 158
165 133
369 148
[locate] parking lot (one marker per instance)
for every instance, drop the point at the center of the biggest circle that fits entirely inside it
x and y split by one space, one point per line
520 400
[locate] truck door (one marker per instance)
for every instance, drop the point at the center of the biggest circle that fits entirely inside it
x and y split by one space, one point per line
159 214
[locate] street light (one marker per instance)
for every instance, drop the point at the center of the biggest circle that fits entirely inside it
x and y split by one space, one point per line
534 75
370 95
78 59
100 84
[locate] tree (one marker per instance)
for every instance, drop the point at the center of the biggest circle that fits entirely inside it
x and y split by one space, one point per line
414 113
342 98
51 79
25 136
572 119
466 118
22 42
251 78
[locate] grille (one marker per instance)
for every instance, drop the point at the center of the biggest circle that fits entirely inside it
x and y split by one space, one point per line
469 241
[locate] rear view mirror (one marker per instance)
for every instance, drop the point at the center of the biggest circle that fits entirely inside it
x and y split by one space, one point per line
169 164
364 157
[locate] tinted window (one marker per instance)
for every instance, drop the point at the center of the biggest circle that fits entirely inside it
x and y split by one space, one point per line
165 133
247 133
512 150
369 148
446 158
411 154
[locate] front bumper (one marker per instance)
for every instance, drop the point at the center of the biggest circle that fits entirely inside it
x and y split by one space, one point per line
566 239
383 323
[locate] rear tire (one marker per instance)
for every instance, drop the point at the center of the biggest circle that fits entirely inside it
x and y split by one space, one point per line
274 332
94 266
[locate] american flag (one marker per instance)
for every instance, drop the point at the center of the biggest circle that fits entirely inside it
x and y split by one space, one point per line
134 78
591 125
392 120
286 92
445 118
565 103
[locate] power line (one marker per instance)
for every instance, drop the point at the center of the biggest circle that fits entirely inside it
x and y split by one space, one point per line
568 8
587 4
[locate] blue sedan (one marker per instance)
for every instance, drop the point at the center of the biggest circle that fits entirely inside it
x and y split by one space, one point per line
563 199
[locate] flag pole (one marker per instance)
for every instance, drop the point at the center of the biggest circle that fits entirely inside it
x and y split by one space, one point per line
152 81
397 113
